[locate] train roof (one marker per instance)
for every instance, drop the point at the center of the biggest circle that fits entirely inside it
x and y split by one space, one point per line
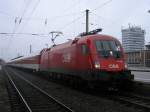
98 36
24 57
82 39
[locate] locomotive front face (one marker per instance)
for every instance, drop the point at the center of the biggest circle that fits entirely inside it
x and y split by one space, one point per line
109 55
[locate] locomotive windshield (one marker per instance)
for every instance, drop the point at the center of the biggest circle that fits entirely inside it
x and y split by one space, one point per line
108 47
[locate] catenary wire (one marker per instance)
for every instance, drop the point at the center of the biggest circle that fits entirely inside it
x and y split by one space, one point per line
102 5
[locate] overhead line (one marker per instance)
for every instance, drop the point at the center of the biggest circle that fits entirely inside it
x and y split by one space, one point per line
35 6
72 6
102 5
15 27
27 5
98 16
6 14
34 34
20 18
78 18
41 19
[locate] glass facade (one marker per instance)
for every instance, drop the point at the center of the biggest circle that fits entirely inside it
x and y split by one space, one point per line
133 39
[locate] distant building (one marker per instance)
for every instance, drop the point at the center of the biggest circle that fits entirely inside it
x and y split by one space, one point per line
147 46
133 39
138 58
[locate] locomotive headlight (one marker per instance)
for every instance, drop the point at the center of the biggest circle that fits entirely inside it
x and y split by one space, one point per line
97 65
126 65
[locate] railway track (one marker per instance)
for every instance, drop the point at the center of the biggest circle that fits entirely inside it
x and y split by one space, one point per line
129 99
27 97
135 100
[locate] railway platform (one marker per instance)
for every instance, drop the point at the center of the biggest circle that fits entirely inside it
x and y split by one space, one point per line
141 74
141 69
4 100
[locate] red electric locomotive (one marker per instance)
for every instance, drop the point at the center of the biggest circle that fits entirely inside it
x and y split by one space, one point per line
91 57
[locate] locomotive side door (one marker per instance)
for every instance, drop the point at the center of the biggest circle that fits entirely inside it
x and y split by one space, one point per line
83 57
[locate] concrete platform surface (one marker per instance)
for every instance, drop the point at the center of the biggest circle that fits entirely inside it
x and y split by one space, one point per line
144 69
142 76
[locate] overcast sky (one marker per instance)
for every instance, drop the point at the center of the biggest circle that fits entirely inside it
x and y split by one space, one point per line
67 16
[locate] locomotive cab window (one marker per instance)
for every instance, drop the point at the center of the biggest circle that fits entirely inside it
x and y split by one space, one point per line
105 46
85 49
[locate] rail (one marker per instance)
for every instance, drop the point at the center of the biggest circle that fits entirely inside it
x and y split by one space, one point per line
28 87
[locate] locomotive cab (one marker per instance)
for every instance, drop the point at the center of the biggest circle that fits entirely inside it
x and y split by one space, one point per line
107 58
110 55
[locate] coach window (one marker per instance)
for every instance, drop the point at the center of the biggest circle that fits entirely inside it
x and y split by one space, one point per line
85 49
